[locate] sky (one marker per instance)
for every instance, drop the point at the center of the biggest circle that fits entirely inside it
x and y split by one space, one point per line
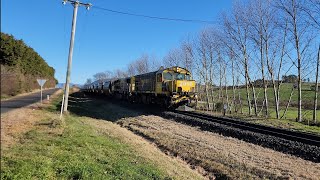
104 40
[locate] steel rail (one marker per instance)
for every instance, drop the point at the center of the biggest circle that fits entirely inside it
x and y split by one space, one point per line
306 138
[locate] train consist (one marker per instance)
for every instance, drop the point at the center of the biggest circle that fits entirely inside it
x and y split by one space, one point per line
170 87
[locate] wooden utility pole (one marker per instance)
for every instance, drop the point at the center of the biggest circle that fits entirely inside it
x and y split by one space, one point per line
316 89
75 4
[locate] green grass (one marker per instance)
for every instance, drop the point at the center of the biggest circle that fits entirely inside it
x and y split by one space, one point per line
291 114
4 97
79 152
285 90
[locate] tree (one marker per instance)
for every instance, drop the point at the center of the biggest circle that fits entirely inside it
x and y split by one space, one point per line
236 28
173 58
188 54
141 65
293 11
203 63
120 74
316 89
290 78
132 70
88 81
103 76
259 32
17 55
312 9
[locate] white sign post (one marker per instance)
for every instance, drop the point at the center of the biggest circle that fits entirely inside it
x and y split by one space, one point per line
41 83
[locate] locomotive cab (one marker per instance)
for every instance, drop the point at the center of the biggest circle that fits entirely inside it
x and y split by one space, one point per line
177 83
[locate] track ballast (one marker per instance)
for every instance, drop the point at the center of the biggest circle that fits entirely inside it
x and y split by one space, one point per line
304 145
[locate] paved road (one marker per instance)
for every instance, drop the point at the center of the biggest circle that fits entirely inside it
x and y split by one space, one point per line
22 101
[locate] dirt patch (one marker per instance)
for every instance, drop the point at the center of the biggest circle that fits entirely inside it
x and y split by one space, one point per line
16 123
173 166
218 156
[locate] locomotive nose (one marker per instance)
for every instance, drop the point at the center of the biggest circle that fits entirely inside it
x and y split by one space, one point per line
185 85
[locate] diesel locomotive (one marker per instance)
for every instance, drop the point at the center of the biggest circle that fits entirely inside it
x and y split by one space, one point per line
168 87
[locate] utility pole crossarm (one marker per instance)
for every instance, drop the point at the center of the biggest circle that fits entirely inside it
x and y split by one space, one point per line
87 5
75 4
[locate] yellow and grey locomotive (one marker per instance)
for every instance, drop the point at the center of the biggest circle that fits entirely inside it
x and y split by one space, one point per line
170 87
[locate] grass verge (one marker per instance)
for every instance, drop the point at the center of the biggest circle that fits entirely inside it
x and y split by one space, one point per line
77 153
77 149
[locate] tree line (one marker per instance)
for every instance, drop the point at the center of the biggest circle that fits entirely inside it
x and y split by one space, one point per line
271 41
21 65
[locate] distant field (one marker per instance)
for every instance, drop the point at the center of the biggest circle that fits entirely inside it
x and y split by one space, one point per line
285 90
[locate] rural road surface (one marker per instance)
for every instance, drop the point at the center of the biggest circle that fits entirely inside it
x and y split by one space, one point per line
25 100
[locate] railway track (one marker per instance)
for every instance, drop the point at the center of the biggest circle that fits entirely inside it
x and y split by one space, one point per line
306 138
303 145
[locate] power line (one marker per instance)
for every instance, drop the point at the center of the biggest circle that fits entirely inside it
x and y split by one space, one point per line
155 17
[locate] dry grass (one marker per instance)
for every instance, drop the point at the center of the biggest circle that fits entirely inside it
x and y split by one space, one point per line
19 121
219 156
16 123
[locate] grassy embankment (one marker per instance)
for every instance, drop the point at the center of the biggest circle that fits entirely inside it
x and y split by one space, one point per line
76 149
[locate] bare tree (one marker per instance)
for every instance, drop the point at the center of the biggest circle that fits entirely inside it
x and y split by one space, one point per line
293 11
188 54
288 103
142 64
237 29
213 46
100 76
316 89
132 70
282 45
220 74
232 59
173 58
88 81
203 63
312 10
225 82
154 63
118 73
259 11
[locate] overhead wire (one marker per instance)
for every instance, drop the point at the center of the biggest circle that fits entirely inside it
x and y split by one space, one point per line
154 17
